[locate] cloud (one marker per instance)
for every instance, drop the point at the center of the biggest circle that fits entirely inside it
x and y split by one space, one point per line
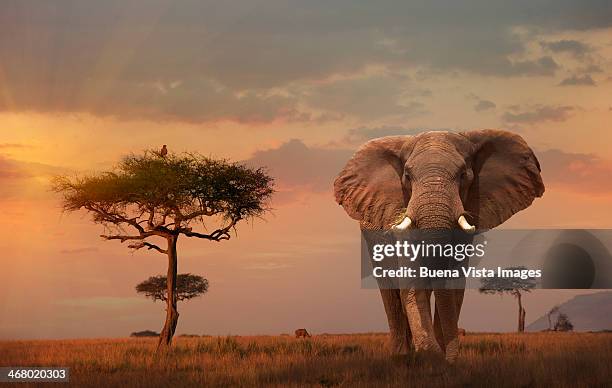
297 166
10 171
201 61
484 105
573 47
578 172
357 136
25 179
575 80
368 97
591 68
13 170
195 101
270 266
102 302
13 145
538 113
542 66
17 169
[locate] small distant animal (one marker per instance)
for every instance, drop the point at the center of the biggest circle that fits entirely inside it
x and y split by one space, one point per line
302 333
461 332
163 152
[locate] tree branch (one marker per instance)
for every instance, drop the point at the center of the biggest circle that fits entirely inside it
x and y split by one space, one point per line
114 218
148 245
151 216
199 213
125 238
139 244
217 235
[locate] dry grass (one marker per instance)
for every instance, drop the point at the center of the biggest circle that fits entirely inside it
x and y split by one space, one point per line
542 359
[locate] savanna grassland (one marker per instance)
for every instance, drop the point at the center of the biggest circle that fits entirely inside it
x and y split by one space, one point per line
527 360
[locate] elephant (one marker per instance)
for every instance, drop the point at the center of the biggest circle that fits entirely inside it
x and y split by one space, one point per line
436 180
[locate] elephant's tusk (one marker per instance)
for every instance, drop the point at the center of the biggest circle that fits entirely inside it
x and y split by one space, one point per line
405 224
466 225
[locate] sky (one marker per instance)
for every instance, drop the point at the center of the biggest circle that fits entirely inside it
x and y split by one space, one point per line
295 87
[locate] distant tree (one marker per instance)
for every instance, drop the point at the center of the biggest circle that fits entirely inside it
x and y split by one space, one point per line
563 323
188 286
514 286
149 197
549 314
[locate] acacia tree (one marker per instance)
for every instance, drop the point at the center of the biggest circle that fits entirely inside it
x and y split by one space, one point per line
151 197
513 286
188 286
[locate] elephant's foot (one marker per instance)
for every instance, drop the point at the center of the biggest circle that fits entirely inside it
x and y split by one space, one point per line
427 344
427 357
452 350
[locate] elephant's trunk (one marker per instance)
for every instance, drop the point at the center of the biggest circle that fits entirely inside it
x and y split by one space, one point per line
435 205
436 209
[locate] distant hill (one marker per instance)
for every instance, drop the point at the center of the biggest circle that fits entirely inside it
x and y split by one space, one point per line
592 312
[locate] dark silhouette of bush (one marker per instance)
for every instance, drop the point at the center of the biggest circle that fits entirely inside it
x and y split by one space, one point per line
145 333
188 286
563 323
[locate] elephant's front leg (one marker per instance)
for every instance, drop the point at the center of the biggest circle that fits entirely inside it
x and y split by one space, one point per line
418 310
400 336
448 306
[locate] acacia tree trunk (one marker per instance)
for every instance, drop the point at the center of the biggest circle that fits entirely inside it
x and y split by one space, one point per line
172 315
521 313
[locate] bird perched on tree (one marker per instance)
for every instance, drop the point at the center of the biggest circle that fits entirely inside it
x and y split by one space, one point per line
163 152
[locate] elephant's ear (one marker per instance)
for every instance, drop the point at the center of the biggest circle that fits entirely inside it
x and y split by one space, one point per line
370 185
506 177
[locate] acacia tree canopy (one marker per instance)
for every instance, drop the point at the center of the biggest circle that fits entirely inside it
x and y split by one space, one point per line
511 285
162 196
188 286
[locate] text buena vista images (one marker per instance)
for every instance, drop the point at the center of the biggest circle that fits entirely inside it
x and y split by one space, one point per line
459 252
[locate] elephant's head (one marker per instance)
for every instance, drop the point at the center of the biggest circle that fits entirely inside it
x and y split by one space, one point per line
440 180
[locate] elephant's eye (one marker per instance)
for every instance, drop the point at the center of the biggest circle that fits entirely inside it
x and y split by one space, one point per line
407 172
464 176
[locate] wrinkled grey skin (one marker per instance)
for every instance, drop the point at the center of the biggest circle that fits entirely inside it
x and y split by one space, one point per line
434 178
